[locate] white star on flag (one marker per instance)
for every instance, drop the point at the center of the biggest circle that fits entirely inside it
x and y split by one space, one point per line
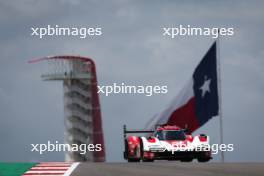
206 86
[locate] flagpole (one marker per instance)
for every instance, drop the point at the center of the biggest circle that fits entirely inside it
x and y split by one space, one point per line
220 95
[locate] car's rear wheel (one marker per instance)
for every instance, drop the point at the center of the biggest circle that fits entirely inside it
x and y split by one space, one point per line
130 160
126 155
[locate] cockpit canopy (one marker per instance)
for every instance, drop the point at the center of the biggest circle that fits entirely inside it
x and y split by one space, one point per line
170 135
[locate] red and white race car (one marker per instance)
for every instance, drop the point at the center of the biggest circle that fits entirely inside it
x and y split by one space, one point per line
166 142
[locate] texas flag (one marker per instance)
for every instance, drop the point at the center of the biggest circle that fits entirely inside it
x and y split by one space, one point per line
198 100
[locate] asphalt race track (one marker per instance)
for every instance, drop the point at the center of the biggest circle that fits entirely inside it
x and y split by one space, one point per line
169 168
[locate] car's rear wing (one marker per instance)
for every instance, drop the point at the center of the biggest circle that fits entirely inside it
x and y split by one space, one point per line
125 131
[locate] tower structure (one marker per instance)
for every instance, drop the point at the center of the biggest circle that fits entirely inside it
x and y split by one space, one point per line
83 124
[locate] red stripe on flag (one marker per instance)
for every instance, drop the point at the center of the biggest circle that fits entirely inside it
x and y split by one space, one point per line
185 115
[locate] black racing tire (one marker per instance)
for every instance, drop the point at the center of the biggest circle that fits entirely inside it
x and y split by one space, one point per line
203 157
203 160
186 160
141 149
147 160
130 160
126 154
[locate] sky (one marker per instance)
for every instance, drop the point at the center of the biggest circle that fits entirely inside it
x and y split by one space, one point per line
133 50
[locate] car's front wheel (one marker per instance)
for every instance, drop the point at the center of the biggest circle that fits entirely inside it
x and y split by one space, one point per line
147 160
204 157
186 160
203 160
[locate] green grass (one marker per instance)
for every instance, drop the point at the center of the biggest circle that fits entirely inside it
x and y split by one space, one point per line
14 169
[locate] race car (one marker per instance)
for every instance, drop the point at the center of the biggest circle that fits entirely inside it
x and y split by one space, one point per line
166 142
